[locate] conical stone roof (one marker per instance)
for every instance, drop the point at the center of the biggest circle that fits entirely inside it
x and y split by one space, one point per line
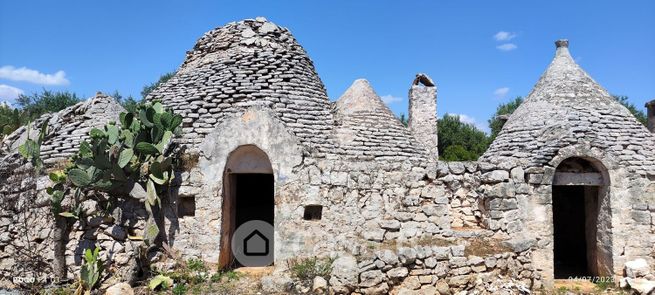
567 107
66 128
366 128
244 64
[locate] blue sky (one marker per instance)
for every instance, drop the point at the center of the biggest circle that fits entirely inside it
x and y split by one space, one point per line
89 46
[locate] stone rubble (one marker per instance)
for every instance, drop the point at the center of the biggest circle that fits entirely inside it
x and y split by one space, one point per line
638 277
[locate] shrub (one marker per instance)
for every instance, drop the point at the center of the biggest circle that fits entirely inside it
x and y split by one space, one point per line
91 270
196 265
308 268
603 285
180 289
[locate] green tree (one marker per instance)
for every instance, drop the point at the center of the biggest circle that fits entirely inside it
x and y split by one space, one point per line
459 141
38 103
504 109
10 120
458 153
162 79
128 103
639 114
403 119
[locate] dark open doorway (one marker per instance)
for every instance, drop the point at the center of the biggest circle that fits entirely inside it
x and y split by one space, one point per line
580 238
254 198
574 236
248 195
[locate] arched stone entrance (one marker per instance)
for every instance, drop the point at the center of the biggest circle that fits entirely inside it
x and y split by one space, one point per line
248 190
581 219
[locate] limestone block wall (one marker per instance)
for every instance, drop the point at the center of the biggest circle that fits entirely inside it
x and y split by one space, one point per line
109 230
423 113
460 183
632 205
427 269
518 202
199 235
27 230
25 226
504 192
368 206
364 202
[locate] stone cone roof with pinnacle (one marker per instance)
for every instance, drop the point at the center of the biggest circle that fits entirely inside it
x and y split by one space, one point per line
366 128
246 64
567 107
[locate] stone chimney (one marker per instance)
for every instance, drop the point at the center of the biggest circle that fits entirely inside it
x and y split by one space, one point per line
423 113
650 107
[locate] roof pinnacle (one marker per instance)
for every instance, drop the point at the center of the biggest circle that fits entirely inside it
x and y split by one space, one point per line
562 43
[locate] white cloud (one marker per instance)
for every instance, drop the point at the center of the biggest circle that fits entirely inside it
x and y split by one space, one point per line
504 36
466 119
33 76
389 99
471 120
507 47
501 92
9 93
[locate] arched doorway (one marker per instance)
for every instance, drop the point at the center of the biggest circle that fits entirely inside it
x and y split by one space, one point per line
248 190
581 219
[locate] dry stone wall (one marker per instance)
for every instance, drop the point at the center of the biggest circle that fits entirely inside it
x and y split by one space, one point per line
443 270
395 218
423 113
108 230
567 115
519 202
28 240
25 227
26 221
366 205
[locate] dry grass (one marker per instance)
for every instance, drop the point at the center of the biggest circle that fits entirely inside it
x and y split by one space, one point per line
433 241
308 268
582 287
422 241
58 166
188 161
485 247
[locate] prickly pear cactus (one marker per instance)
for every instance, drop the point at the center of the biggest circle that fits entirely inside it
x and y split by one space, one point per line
91 269
127 158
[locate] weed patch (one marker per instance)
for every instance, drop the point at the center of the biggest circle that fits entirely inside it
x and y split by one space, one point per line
308 268
485 247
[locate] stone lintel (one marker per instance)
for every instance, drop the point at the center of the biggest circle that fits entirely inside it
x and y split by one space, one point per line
573 178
